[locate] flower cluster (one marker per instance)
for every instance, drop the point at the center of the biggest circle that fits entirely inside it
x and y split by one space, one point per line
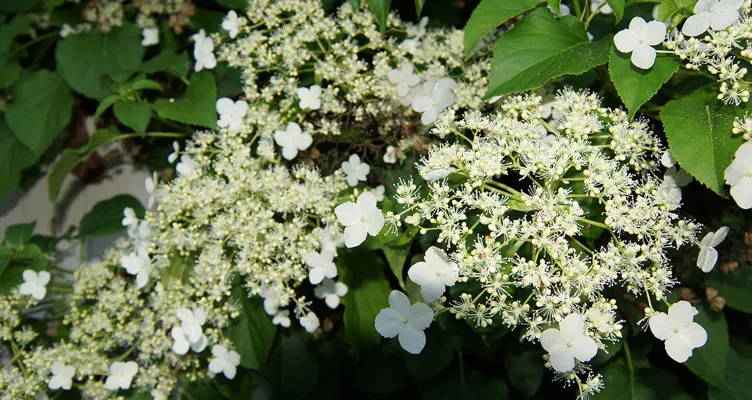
546 206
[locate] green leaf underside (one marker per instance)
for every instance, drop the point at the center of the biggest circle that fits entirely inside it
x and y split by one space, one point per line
635 86
490 14
196 107
542 48
106 217
698 128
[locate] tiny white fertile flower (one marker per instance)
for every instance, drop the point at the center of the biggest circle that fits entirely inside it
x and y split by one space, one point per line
172 157
150 37
121 375
231 113
224 361
716 14
601 6
355 170
330 291
406 321
360 219
62 376
310 322
678 330
435 97
708 254
434 274
310 98
137 263
321 266
390 155
404 78
568 343
129 218
34 283
186 167
638 39
203 51
231 24
282 318
739 176
292 140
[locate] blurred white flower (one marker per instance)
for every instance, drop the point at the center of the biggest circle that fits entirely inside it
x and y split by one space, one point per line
568 343
121 375
187 167
708 254
172 157
404 79
360 219
34 283
638 39
62 376
310 98
130 218
378 193
330 291
231 24
434 274
738 175
677 328
716 14
203 51
390 155
224 361
355 170
231 113
321 266
151 184
433 97
282 318
406 321
310 322
292 140
601 6
137 263
149 37
669 193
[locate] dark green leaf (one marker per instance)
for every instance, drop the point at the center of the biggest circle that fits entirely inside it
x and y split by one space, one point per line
19 234
363 272
618 7
293 370
133 114
10 73
106 217
41 109
698 128
477 386
252 332
396 258
419 6
709 361
488 15
525 371
636 86
26 257
736 387
542 48
17 5
14 158
196 107
8 32
170 61
235 4
735 287
433 359
380 10
91 62
646 384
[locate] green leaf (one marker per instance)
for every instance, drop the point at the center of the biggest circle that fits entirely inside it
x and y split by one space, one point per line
293 370
42 108
19 234
14 158
525 371
542 48
735 287
709 361
106 217
234 4
363 273
380 10
618 7
636 86
10 73
252 332
91 62
419 6
674 11
19 260
736 387
196 107
8 32
396 258
698 128
477 386
133 114
17 5
488 15
170 61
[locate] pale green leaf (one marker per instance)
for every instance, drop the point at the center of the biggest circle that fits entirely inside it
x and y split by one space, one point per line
636 86
380 10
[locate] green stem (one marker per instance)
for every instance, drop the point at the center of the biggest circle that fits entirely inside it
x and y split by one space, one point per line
594 223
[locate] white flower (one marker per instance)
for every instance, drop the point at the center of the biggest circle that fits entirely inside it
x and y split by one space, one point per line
330 238
282 318
137 263
321 264
186 167
360 219
129 218
231 23
390 155
739 176
310 322
203 51
434 97
669 193
355 170
404 78
189 334
563 10
151 184
708 254
182 343
121 375
716 14
680 333
34 283
568 343
666 159
150 37
231 113
601 6
406 321
272 296
172 157
224 361
330 291
638 39
292 140
310 98
62 376
434 274
432 175
378 193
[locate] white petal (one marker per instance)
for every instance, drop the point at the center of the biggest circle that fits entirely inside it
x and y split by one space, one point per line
723 19
655 32
707 259
682 312
551 340
400 303
412 340
719 236
643 57
347 214
660 325
388 323
572 326
695 335
355 235
585 348
420 316
637 24
625 41
677 349
742 193
562 361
